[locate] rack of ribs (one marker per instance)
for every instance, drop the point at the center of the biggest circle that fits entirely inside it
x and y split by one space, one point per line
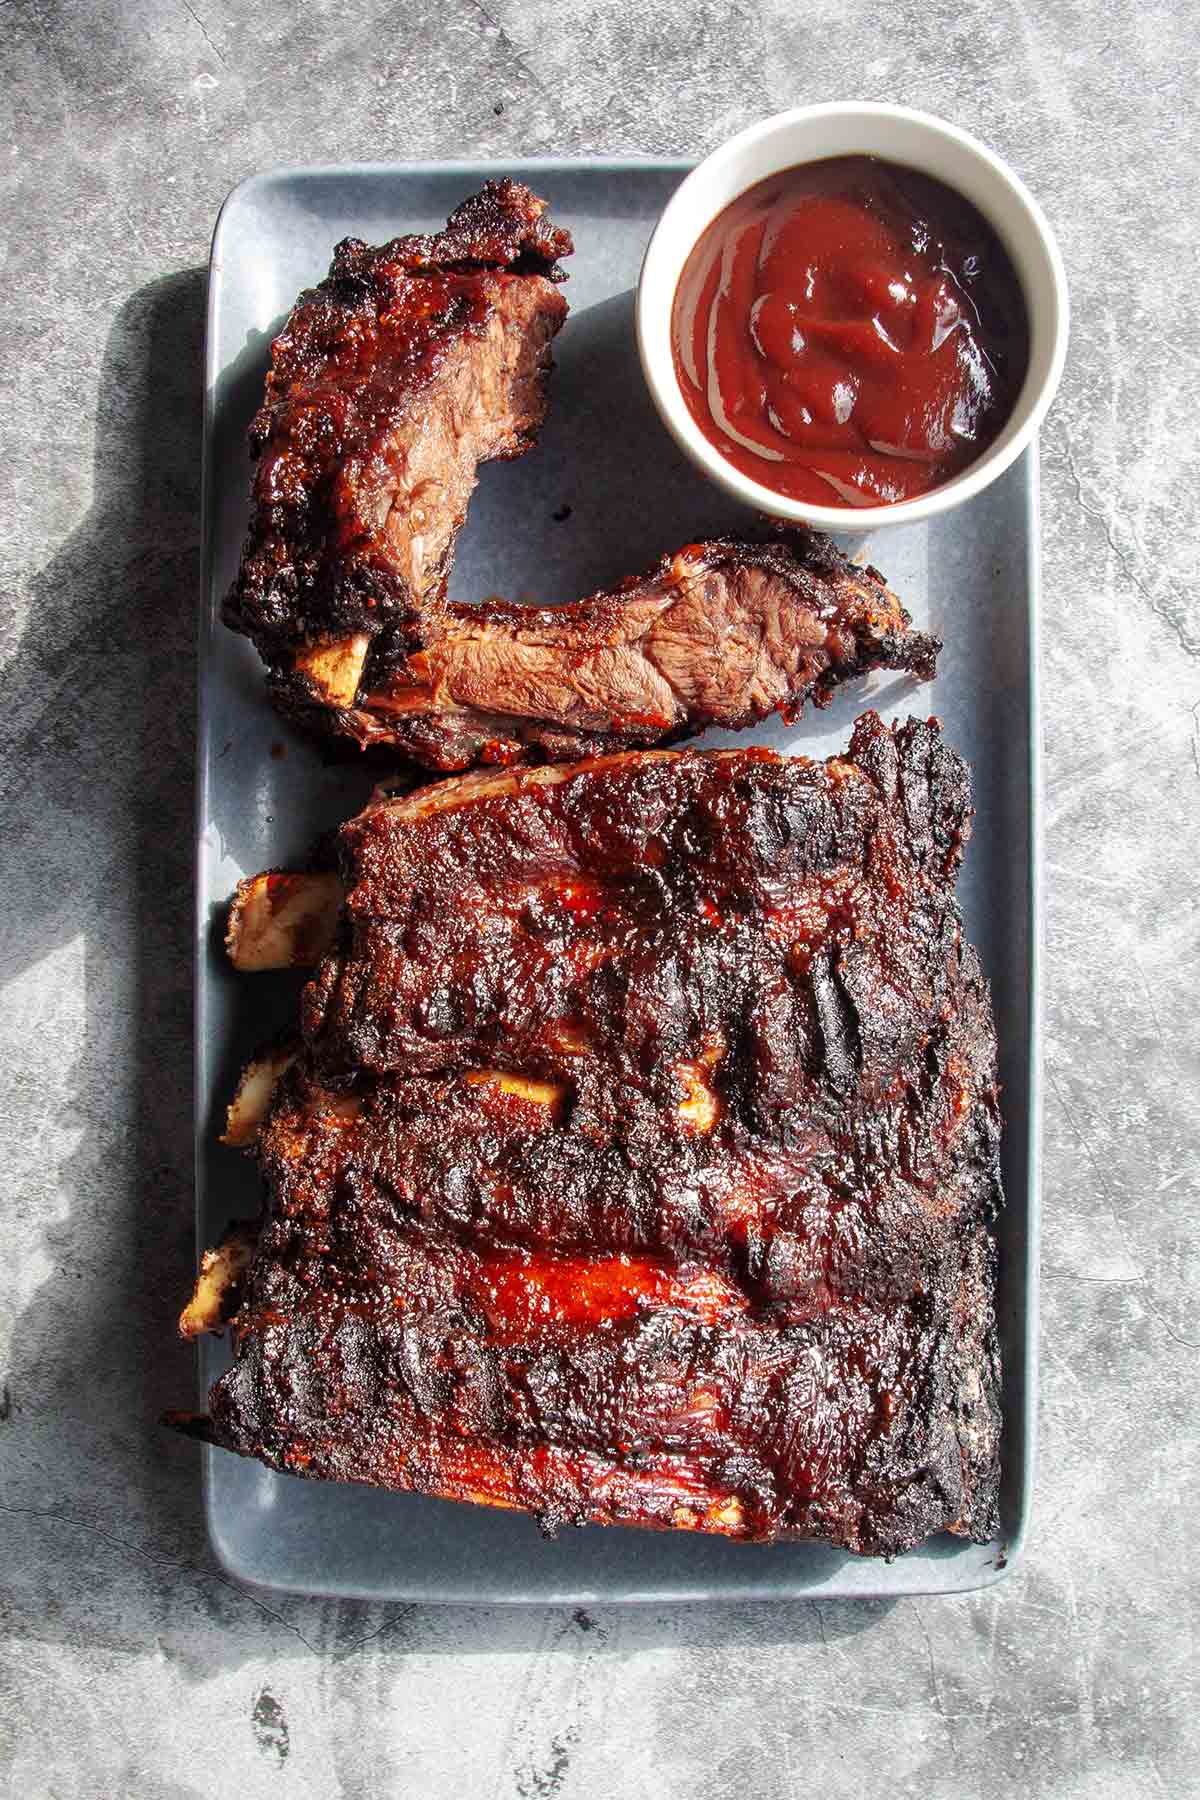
637 1160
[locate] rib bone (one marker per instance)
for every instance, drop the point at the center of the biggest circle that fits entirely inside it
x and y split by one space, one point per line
213 1299
333 669
522 1087
255 1091
283 921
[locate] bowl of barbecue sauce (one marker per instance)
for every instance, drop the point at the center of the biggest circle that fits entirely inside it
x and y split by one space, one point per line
852 316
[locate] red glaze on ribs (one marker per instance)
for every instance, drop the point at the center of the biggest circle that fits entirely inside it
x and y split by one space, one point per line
640 1164
408 366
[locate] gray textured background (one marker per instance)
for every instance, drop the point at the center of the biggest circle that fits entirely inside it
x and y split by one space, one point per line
129 1665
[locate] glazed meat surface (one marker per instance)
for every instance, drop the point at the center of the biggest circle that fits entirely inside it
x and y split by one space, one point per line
723 633
639 1161
409 365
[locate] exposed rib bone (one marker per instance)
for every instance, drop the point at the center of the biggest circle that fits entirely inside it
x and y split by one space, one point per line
282 921
700 1108
214 1297
523 1087
255 1091
334 669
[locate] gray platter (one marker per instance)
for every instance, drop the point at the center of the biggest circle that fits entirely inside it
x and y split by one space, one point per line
263 796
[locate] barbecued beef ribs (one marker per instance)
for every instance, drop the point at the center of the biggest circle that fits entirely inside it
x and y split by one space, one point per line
391 381
409 365
639 1163
721 633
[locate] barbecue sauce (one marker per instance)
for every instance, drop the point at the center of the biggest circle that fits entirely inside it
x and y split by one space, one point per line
850 332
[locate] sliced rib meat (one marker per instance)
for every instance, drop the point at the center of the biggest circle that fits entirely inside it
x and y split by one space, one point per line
723 633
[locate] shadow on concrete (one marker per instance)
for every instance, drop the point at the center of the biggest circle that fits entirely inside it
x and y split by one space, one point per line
105 1524
96 813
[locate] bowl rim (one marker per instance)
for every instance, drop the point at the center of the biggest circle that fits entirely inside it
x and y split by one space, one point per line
659 372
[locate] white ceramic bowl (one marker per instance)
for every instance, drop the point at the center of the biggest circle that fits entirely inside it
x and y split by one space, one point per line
808 134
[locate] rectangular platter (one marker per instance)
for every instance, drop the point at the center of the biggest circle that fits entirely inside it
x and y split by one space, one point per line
263 797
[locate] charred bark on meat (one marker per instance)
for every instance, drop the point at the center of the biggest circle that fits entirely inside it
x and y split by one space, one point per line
640 1161
410 364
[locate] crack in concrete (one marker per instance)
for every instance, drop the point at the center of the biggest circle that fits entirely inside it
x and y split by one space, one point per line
159 1557
1150 998
1096 511
938 1704
204 33
515 55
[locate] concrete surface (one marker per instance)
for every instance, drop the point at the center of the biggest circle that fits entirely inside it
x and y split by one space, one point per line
130 1666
